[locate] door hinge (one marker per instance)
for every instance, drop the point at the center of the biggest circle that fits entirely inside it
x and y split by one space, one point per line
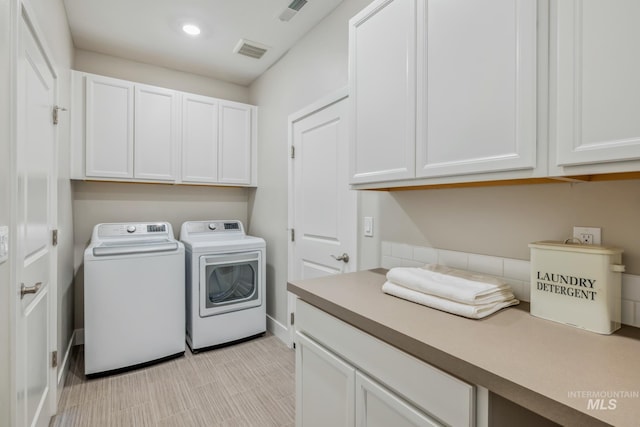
54 359
54 237
292 318
57 109
293 235
293 152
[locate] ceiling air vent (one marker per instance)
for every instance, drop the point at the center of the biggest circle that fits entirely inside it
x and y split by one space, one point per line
292 9
250 49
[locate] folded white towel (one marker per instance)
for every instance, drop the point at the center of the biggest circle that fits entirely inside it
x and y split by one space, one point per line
452 284
470 311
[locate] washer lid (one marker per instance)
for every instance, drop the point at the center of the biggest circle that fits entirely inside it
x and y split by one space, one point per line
139 247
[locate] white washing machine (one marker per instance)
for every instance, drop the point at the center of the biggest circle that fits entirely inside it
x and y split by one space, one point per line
225 283
134 294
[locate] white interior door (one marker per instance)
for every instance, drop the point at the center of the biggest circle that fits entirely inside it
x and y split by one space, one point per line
323 206
35 255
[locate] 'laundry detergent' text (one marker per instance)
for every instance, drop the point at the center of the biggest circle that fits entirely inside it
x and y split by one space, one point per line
571 286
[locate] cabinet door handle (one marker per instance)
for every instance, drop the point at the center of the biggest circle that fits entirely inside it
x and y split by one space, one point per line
344 257
24 290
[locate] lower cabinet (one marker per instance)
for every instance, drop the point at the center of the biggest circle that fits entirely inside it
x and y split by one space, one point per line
331 392
345 377
325 387
377 406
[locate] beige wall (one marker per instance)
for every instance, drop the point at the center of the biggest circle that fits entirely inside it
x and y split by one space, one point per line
501 221
313 68
96 202
106 65
498 221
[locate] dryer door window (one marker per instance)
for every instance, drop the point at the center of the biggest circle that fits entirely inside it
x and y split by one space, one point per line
229 282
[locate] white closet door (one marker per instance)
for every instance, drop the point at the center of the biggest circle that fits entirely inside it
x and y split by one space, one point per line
324 209
234 145
34 260
199 139
156 133
477 87
382 84
109 127
595 69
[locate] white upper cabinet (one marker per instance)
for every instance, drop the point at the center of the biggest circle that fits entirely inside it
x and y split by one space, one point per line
595 75
382 82
109 127
443 88
156 133
476 87
199 139
236 139
127 131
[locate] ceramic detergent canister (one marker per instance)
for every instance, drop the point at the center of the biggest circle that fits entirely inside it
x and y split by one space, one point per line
578 285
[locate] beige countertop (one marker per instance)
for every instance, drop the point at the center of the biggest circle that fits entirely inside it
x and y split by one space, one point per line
546 367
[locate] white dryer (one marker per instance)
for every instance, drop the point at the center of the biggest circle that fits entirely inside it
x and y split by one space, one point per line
133 296
225 283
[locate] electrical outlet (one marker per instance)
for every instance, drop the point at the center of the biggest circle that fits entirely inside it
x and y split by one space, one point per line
586 239
588 235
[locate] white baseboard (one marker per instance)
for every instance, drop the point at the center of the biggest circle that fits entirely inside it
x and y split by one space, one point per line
78 335
279 330
64 367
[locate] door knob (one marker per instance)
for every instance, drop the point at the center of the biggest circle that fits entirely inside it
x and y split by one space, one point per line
24 290
344 257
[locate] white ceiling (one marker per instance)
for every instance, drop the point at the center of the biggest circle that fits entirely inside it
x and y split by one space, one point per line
150 31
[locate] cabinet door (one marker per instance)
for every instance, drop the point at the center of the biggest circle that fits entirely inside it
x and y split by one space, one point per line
595 75
235 142
199 139
109 127
477 87
382 84
325 387
378 407
156 133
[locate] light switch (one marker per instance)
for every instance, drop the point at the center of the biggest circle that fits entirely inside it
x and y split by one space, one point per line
368 226
4 243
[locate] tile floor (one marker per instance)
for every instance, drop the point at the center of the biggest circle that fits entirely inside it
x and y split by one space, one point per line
247 384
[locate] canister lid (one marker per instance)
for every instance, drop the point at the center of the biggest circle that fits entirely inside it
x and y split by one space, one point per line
575 247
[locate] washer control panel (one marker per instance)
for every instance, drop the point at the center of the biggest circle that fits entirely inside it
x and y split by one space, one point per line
129 229
197 227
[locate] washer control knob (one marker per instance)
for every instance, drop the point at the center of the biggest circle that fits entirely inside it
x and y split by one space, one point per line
131 229
212 226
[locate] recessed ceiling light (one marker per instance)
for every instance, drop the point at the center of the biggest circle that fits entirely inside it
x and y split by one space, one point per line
192 30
